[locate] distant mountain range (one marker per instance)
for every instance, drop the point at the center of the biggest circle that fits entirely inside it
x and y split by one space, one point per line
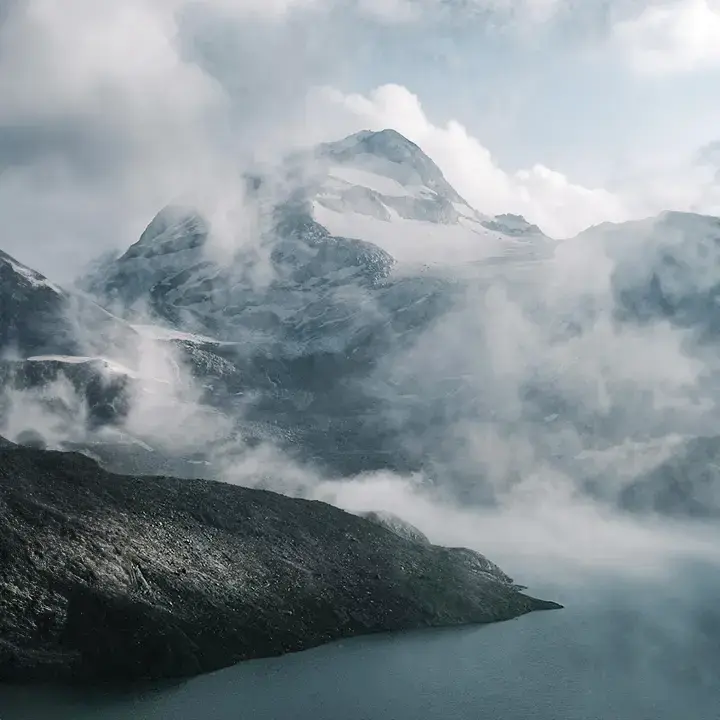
294 336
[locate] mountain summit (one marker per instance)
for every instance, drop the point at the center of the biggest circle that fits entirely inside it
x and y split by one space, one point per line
390 153
382 187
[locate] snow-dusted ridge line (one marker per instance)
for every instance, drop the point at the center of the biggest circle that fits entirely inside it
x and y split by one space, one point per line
31 276
111 365
160 332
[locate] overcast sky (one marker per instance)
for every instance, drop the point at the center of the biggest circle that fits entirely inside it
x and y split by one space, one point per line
570 112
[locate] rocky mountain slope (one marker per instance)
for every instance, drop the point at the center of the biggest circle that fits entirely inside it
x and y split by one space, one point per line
125 578
348 268
339 226
37 317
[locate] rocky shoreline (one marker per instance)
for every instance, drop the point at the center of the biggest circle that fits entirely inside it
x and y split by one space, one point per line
118 578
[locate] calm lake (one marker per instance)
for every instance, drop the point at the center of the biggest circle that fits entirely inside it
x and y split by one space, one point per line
620 651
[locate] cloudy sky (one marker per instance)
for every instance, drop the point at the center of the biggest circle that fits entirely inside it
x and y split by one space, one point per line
570 112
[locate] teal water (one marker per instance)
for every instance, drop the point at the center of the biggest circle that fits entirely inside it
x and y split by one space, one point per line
619 653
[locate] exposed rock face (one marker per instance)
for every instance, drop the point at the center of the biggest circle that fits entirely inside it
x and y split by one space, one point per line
125 578
267 290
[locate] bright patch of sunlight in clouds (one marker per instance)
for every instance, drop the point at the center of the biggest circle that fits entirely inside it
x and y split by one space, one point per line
678 36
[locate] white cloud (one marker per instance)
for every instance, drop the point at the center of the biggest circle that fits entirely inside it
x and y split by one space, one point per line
516 11
110 110
61 61
672 37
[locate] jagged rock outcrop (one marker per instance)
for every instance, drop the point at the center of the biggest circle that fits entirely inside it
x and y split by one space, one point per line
124 578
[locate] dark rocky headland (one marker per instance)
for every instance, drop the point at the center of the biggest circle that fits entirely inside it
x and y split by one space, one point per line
109 577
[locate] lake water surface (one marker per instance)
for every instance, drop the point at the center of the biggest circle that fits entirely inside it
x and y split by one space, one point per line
620 653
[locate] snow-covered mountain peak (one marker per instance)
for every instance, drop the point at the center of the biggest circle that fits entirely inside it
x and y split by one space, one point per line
174 228
388 142
388 155
174 241
335 223
381 187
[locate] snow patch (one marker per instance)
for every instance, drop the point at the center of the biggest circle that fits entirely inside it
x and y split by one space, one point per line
466 211
158 332
417 240
378 183
110 365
